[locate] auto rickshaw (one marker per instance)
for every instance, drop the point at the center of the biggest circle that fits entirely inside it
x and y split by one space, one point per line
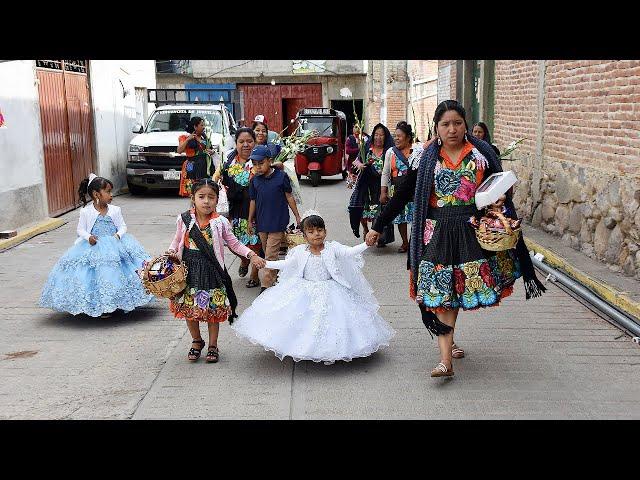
325 154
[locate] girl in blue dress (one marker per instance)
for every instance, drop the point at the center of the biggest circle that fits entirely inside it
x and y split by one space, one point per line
97 275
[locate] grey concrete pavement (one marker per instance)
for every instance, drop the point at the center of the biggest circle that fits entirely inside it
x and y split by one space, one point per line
546 358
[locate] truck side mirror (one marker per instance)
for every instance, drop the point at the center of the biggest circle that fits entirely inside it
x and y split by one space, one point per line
137 128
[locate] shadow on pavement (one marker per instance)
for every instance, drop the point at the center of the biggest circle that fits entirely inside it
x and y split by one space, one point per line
82 321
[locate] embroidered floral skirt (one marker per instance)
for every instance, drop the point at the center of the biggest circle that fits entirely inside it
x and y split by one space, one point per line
204 299
455 272
239 227
406 216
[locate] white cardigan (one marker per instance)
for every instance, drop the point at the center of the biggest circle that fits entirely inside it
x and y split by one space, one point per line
89 215
334 255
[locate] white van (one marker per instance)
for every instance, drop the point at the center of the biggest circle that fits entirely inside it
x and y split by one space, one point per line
153 160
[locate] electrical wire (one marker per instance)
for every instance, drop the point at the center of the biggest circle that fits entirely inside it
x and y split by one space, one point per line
228 68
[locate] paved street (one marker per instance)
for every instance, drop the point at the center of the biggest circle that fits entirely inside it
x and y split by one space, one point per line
551 358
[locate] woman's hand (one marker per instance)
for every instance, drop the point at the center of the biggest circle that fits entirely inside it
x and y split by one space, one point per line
372 237
93 240
384 198
499 203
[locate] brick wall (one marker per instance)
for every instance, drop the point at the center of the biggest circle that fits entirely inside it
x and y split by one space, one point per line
446 80
584 184
423 95
516 104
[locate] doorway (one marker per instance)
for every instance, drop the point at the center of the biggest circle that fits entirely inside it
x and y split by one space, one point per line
290 108
346 107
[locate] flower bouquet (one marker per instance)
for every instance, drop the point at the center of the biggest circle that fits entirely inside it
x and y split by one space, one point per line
510 149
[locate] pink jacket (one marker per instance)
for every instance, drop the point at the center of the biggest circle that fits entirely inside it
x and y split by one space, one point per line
220 232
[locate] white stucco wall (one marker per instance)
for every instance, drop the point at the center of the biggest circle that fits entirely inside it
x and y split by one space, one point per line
115 114
21 151
22 190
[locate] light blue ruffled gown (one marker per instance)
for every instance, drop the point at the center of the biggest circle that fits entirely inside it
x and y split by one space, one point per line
98 279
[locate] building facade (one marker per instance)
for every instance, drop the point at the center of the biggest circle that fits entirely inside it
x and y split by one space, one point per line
63 120
579 165
276 89
402 90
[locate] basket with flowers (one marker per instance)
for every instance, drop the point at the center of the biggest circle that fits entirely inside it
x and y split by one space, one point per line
164 276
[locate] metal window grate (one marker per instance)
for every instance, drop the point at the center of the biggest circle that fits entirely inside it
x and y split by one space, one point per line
77 66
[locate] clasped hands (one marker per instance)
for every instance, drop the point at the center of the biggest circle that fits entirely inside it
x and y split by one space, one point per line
255 259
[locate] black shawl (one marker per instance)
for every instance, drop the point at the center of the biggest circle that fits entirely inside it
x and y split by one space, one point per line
417 187
368 183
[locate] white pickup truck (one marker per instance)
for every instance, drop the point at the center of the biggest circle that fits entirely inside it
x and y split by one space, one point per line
153 160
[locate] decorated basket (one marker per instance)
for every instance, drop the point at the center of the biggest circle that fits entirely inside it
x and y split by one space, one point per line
497 240
294 238
164 276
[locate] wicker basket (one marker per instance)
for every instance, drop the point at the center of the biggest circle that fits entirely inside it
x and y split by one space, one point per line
169 286
495 241
294 239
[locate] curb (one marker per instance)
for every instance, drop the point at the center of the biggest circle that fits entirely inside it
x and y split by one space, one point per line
30 232
608 293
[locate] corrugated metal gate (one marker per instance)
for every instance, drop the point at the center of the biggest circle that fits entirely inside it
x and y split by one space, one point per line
66 119
271 100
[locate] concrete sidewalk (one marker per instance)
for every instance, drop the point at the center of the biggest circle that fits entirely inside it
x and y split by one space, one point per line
546 358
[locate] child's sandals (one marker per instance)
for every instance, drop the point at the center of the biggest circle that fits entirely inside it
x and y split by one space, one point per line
252 283
213 354
456 351
194 353
243 270
441 370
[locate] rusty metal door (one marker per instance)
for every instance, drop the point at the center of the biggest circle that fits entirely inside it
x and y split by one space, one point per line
267 100
262 100
65 116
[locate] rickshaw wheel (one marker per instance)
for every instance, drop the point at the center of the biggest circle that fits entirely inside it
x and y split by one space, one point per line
315 178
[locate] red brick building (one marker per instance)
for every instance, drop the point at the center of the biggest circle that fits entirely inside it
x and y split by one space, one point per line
402 90
579 167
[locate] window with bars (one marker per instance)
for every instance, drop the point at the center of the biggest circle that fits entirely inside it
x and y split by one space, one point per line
78 66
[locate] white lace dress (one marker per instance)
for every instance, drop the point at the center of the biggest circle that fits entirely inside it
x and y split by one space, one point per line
314 318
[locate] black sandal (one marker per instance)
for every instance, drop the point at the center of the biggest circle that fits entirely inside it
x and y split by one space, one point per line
252 283
213 354
243 270
194 353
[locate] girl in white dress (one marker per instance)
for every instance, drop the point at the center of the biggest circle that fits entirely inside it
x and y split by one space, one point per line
322 308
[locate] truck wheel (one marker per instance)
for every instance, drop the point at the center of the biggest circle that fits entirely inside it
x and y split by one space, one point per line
136 189
315 178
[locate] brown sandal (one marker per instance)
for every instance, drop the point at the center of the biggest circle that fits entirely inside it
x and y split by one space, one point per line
441 370
456 351
194 353
213 354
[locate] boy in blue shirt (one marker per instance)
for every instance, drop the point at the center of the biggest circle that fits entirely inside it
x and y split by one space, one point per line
271 198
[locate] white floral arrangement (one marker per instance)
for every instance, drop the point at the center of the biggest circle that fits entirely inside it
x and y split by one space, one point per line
510 149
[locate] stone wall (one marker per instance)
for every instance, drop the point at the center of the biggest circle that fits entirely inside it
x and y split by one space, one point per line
579 168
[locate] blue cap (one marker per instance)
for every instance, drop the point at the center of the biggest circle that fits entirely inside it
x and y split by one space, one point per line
260 152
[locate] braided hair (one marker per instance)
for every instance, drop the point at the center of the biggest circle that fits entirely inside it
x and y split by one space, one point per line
87 188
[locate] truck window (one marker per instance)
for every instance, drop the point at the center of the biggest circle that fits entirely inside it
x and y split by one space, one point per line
176 120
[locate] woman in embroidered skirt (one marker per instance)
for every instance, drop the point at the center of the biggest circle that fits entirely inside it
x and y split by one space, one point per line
397 163
364 205
236 172
197 147
448 268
